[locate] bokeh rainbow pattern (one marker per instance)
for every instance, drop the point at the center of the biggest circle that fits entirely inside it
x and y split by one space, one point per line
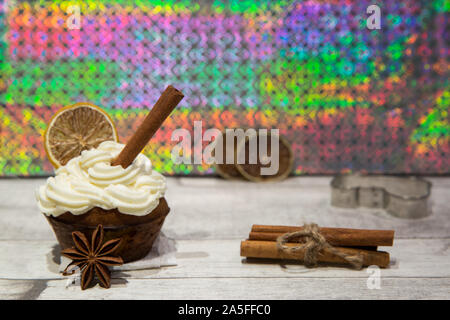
347 98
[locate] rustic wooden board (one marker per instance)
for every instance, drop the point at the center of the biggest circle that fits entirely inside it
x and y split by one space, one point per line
231 288
209 217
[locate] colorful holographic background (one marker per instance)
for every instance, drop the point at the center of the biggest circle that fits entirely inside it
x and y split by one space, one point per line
347 98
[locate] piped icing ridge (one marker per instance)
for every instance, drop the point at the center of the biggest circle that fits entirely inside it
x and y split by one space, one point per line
89 181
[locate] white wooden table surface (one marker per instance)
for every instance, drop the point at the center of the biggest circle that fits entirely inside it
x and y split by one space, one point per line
209 217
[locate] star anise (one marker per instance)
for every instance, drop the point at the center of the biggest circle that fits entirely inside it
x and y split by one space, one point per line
92 257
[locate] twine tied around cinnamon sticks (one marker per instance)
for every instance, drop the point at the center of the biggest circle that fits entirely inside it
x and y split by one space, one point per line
315 242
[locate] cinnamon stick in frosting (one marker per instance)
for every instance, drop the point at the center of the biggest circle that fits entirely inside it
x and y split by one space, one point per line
161 110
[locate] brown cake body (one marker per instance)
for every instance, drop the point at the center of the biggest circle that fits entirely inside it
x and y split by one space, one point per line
137 232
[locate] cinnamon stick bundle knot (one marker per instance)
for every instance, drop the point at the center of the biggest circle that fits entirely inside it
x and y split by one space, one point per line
314 244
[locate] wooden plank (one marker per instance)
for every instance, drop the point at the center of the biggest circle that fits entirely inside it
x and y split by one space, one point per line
305 181
234 288
234 207
221 259
20 289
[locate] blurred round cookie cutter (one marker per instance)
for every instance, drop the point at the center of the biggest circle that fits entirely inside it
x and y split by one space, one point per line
403 197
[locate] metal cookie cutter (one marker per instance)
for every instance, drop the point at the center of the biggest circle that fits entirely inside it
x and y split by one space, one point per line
404 197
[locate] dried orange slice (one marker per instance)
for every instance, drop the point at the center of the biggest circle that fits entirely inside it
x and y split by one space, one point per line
226 171
75 128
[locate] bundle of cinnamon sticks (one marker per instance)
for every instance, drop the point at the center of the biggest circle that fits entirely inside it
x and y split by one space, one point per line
262 239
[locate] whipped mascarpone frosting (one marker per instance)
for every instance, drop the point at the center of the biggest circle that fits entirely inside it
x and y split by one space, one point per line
89 181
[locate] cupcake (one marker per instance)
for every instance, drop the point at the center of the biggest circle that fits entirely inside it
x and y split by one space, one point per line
99 181
89 191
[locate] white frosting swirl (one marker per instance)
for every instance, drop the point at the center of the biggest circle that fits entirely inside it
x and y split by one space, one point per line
89 181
